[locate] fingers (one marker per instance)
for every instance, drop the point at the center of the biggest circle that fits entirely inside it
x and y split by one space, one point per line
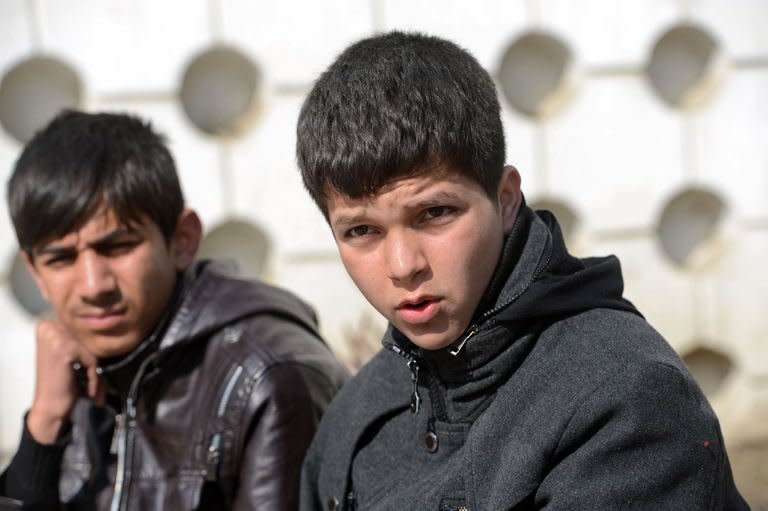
96 388
56 385
100 396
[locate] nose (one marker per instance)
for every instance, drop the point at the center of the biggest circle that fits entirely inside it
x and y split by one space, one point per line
95 277
406 259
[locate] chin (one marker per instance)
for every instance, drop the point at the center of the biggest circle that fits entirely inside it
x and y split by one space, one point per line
109 347
430 341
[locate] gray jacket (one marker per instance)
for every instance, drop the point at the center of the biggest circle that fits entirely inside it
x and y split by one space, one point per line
562 398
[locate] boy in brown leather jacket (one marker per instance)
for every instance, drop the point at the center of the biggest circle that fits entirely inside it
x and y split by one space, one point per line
161 382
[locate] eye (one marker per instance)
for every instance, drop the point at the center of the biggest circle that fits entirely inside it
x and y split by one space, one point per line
437 212
118 248
58 260
359 231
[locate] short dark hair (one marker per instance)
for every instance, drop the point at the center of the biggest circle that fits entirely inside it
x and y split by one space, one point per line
393 106
82 161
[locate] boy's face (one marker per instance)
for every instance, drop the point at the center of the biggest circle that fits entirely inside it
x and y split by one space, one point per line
422 249
109 283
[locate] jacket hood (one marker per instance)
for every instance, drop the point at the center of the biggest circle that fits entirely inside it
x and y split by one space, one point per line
546 281
536 282
207 298
213 297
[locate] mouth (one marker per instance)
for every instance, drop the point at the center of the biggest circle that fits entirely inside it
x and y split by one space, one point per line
419 310
103 320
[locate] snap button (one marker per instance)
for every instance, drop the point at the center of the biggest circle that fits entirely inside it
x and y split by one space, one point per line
332 504
431 441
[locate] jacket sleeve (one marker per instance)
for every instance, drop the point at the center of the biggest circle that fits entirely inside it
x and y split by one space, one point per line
281 430
310 473
646 439
32 477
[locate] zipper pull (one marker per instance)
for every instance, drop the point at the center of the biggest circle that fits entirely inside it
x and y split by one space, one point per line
415 397
456 349
213 458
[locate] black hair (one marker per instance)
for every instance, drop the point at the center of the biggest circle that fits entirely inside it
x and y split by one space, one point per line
395 105
80 162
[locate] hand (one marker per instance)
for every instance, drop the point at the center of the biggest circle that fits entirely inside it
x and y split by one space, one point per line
56 389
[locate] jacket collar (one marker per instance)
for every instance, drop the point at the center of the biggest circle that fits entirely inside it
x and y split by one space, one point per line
535 283
207 297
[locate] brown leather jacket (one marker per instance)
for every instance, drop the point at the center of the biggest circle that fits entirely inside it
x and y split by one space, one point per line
218 415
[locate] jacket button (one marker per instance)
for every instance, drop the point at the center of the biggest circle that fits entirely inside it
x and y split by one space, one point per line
431 442
332 504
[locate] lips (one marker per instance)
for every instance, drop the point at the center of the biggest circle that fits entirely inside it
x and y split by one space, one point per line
103 320
419 310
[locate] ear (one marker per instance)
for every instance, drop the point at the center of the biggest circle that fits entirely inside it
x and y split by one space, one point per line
39 281
186 239
509 197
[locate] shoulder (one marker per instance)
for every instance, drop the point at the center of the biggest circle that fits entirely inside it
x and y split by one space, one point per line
606 362
602 343
251 321
280 360
379 388
258 340
614 363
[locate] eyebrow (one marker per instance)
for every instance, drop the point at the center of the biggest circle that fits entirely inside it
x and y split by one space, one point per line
346 220
54 250
437 199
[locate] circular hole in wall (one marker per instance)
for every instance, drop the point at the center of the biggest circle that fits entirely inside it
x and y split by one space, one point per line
220 91
33 91
685 66
690 226
534 74
569 221
240 241
709 367
24 289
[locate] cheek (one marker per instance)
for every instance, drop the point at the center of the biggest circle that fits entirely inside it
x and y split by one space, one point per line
365 273
480 253
478 246
144 278
57 290
358 270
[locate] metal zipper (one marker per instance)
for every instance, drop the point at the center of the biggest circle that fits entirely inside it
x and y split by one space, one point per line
121 442
213 458
213 455
456 349
114 444
125 436
413 367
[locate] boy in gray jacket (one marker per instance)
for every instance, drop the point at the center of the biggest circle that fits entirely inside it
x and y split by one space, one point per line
513 375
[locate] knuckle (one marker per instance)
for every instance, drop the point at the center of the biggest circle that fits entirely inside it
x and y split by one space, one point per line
50 338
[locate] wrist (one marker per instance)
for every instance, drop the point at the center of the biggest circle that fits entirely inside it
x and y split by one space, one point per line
44 427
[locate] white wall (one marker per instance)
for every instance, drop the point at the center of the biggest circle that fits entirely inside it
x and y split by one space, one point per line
601 144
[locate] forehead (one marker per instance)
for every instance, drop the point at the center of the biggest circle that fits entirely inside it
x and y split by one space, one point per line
102 222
